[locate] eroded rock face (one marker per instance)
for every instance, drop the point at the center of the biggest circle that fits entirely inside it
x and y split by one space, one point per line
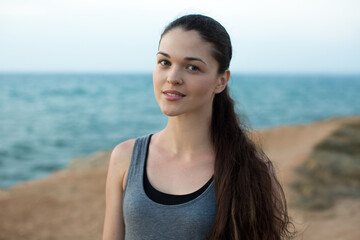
331 171
96 160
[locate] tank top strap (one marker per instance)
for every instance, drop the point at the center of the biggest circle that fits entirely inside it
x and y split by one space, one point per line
134 175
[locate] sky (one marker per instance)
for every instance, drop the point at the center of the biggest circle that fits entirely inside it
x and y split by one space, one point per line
116 36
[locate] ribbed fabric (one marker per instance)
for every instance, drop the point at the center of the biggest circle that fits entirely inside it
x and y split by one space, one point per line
149 220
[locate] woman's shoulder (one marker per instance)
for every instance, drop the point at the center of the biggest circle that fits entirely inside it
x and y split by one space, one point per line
124 148
120 161
121 154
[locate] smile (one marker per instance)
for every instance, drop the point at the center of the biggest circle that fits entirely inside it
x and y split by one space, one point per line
172 94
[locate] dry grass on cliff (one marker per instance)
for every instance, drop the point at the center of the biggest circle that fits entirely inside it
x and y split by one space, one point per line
331 171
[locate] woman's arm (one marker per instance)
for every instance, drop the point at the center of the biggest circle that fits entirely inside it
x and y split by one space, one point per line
114 228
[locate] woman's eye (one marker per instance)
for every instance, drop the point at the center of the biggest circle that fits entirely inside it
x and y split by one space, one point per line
164 63
193 68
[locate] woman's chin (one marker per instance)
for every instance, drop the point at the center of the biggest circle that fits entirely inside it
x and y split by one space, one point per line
171 112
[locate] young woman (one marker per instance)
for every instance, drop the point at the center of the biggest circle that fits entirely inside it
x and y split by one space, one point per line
201 177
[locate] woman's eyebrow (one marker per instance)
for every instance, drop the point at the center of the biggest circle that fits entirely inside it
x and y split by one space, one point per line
165 54
186 58
195 59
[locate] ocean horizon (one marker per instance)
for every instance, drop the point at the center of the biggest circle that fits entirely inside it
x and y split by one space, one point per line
46 118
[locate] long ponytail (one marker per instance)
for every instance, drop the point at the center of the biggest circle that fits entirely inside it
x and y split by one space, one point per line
250 202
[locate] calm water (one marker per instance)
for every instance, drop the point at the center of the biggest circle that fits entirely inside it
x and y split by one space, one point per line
47 119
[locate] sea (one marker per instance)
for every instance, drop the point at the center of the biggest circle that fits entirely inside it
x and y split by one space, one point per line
47 119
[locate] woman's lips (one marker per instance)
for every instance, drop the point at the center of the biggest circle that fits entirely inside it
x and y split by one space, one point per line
173 95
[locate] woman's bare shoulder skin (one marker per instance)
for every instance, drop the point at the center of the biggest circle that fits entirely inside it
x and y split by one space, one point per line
120 159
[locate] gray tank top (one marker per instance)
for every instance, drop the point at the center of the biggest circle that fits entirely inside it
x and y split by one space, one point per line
147 219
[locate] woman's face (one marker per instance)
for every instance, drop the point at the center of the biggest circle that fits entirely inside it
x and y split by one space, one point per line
185 75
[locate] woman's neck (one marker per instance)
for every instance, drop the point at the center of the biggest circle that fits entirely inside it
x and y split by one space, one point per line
186 136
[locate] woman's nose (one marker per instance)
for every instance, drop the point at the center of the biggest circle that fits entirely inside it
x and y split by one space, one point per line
175 76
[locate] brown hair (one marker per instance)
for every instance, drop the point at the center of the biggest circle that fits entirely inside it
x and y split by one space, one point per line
250 202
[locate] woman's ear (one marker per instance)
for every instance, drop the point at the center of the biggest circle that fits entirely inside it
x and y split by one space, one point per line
222 81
